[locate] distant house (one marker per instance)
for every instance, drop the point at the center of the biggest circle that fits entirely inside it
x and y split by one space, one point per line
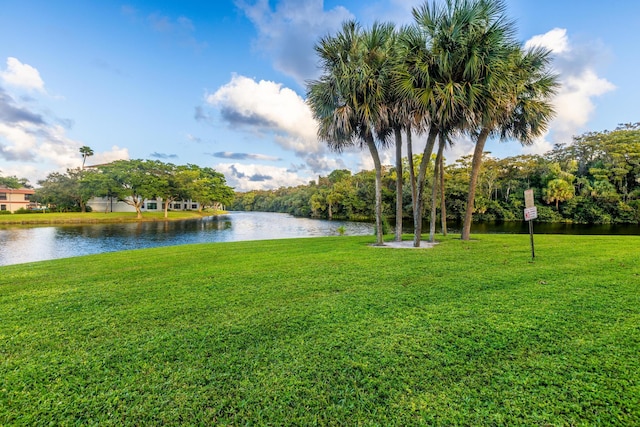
110 204
12 199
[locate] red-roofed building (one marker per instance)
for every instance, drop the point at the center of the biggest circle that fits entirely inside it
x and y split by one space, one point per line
12 199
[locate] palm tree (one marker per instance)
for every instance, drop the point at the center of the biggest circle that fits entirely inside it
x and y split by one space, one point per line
349 99
443 207
412 81
518 106
400 119
406 114
558 190
438 184
447 59
86 152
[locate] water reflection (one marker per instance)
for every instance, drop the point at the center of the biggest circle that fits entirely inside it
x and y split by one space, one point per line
27 244
19 244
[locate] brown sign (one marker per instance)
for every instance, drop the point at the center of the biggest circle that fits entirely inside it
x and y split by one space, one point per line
528 198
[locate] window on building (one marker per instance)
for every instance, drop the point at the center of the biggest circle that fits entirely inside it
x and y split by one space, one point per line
3 196
176 206
3 207
194 206
151 206
27 197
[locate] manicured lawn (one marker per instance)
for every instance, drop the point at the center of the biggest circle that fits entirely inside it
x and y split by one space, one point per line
94 217
327 331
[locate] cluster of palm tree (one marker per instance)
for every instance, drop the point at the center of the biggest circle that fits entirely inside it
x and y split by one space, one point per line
457 70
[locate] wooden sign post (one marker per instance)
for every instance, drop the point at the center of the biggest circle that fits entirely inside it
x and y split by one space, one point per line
530 213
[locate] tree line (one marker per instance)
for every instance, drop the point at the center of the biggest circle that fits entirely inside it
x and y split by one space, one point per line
593 180
133 182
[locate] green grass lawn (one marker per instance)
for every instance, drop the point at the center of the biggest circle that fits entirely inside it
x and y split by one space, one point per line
327 331
95 217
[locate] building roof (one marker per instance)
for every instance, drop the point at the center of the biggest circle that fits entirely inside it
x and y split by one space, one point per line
17 190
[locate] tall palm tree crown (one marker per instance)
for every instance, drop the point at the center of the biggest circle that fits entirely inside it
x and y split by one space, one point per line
518 107
349 100
448 59
86 152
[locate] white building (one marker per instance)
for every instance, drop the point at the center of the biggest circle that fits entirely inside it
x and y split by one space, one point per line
111 204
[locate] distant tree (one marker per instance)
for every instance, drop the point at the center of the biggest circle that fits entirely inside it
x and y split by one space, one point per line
66 191
134 181
14 182
86 152
172 183
558 190
206 186
99 184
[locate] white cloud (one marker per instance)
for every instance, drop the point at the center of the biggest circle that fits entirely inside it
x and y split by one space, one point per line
34 151
461 146
266 106
17 143
32 144
580 84
22 75
574 105
539 146
288 32
258 177
555 40
116 153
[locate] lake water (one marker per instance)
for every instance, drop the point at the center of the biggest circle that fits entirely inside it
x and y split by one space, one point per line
20 244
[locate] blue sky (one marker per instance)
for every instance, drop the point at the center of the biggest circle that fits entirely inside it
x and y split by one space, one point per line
221 83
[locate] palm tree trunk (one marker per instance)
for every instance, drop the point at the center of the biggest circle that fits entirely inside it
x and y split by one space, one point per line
378 165
443 207
476 163
417 213
434 191
399 198
412 171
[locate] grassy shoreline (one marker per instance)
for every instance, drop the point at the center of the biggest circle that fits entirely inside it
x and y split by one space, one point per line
327 331
98 217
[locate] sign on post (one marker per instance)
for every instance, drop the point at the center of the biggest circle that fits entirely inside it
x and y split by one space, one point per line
528 199
530 213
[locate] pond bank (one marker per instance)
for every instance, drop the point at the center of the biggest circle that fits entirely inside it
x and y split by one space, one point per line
99 217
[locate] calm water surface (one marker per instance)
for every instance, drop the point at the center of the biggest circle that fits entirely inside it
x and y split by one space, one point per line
19 244
27 244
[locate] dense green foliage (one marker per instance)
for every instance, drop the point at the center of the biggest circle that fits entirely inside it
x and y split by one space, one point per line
595 179
133 181
14 182
314 332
